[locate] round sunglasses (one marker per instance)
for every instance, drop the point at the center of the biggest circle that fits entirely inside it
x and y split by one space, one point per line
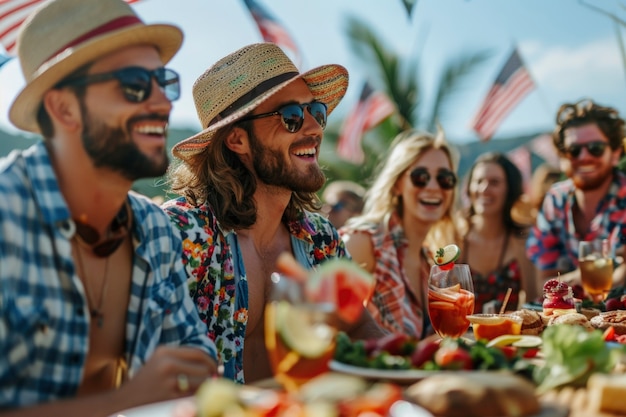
136 82
420 177
595 149
292 115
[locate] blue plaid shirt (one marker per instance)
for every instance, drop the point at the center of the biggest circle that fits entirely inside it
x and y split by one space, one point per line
44 331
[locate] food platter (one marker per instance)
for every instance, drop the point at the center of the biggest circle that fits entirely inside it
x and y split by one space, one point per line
400 375
160 409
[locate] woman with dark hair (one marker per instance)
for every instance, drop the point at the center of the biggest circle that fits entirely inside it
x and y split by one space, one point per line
493 242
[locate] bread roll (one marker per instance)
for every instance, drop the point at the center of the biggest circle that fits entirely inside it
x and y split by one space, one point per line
575 319
532 322
615 318
475 394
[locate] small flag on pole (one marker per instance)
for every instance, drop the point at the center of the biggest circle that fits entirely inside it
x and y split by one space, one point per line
12 14
510 87
272 31
372 108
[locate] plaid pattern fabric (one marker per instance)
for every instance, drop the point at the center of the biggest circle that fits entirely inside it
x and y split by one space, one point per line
394 305
44 325
553 241
217 277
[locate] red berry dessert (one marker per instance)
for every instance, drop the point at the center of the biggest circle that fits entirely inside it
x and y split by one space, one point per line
557 298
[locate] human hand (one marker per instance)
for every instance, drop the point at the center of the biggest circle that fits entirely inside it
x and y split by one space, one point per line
171 372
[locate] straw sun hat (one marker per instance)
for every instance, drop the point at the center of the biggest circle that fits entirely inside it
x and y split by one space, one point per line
63 35
241 81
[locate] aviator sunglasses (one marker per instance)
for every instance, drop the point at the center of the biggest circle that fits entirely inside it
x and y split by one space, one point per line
594 148
136 82
420 177
293 115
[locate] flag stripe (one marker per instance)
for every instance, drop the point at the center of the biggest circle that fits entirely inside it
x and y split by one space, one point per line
271 30
12 15
371 109
512 84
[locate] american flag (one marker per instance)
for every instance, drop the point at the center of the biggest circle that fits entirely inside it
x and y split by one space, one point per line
12 14
372 108
510 87
272 31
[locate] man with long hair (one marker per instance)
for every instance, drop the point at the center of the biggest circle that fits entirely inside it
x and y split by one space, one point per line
248 184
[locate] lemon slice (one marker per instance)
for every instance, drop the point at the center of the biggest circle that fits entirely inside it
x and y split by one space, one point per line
304 329
447 254
504 340
493 320
528 341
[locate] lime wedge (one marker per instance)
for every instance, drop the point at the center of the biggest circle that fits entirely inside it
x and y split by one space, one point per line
524 341
447 254
304 330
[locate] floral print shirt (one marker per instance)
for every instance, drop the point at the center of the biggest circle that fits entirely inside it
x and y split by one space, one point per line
553 241
217 277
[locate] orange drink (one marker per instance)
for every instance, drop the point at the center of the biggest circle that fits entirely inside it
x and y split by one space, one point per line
450 299
299 336
596 267
490 326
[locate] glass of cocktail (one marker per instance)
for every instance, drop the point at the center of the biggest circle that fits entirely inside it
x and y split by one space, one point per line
450 299
299 333
596 268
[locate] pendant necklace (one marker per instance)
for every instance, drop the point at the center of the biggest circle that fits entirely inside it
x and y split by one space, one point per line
95 310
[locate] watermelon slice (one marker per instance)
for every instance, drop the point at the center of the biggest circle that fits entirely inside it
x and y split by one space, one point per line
344 284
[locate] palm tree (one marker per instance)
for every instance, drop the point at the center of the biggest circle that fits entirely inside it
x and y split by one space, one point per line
400 81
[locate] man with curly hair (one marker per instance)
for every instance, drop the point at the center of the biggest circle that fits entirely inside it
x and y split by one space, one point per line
591 203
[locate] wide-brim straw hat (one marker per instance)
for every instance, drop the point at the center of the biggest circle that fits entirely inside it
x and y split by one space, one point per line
241 81
63 35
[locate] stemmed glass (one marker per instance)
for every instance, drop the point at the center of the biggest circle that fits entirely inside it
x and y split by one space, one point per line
596 268
450 299
299 333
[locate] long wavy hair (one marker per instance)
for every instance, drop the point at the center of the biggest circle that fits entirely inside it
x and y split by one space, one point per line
514 188
380 201
218 177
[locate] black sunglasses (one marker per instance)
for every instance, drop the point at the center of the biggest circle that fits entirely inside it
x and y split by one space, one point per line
136 82
594 148
420 177
293 115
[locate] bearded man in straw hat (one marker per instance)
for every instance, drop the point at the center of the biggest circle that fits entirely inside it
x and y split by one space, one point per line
249 181
90 296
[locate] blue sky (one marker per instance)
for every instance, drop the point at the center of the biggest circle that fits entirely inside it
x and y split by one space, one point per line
571 51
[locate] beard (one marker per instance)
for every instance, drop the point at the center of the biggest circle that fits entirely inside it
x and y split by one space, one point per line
113 148
273 169
603 175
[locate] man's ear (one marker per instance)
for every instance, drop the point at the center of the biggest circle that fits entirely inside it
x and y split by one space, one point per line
63 108
237 141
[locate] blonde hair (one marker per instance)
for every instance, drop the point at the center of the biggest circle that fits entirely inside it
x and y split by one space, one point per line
380 200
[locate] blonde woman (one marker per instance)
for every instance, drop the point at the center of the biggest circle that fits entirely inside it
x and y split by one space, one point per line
407 213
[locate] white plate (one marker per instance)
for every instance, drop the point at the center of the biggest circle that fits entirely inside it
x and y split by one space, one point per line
395 375
161 409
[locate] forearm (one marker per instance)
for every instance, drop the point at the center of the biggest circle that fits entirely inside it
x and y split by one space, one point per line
366 328
100 405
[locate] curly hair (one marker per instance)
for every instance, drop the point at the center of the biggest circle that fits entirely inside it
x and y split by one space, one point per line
514 187
584 112
380 201
219 178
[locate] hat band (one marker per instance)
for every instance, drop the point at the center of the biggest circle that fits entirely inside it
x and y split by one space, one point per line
112 25
252 94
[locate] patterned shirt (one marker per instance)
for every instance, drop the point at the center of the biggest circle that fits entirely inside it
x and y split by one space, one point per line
44 328
217 278
553 241
394 304
494 286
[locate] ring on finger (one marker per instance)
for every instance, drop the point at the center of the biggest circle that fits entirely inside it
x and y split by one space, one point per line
182 382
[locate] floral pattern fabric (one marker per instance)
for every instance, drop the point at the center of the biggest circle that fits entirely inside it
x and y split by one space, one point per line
217 279
553 240
494 286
